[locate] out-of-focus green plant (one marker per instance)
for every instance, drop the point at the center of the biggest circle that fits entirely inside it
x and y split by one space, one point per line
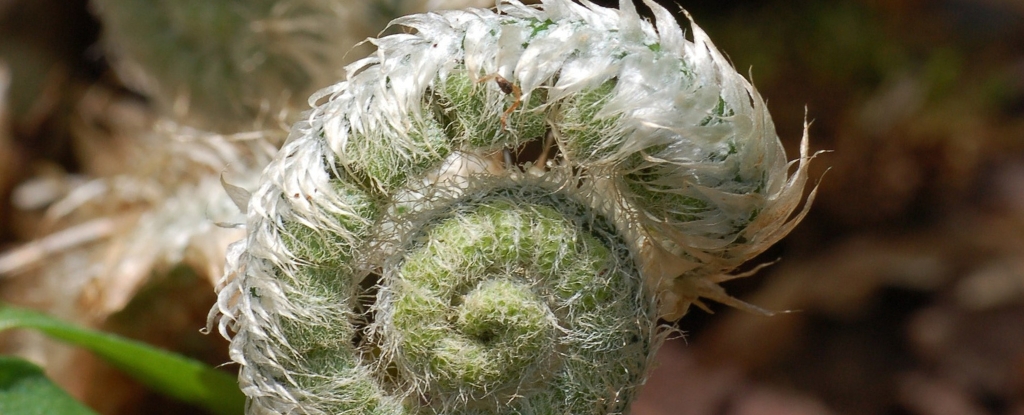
220 65
25 390
174 375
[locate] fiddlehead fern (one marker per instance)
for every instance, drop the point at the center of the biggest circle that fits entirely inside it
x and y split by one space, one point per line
490 213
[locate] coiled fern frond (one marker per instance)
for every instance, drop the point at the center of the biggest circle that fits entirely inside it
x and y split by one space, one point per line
490 214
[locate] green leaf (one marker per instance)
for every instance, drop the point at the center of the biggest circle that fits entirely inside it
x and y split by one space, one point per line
168 373
25 390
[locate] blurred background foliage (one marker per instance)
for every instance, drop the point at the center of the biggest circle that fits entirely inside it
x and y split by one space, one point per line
905 283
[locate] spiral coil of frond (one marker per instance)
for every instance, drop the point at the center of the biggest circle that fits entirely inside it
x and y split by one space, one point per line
491 212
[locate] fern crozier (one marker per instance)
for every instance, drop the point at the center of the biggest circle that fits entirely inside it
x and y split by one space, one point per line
490 214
